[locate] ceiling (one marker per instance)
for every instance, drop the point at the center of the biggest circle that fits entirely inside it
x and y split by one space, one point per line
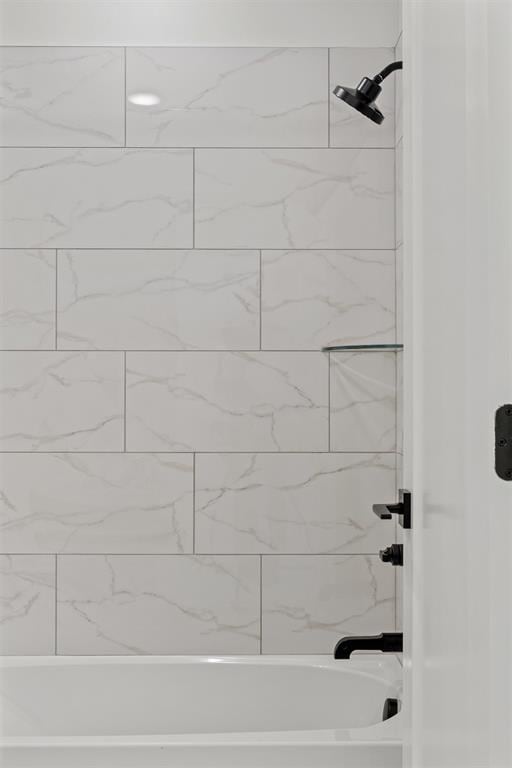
200 22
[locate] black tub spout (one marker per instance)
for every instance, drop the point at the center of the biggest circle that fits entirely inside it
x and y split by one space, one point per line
388 642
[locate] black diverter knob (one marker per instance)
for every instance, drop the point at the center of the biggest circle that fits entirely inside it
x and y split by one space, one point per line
393 554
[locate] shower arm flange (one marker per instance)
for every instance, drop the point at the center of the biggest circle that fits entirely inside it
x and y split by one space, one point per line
387 71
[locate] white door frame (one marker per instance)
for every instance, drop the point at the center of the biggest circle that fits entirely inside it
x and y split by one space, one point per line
458 370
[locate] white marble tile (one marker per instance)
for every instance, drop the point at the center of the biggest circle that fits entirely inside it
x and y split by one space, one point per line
27 299
398 94
399 599
309 603
226 401
96 198
363 401
400 402
399 195
158 299
400 294
53 96
27 605
96 503
348 127
61 401
291 503
293 198
312 299
155 604
228 97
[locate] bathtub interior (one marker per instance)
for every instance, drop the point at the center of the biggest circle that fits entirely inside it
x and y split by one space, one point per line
124 696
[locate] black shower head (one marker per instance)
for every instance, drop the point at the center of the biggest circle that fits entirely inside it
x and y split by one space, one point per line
363 97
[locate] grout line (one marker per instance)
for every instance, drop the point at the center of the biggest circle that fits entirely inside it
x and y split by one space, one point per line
395 100
55 608
261 300
124 403
329 98
394 198
56 296
242 654
395 601
199 554
218 249
194 198
329 402
396 295
351 47
178 149
396 416
194 503
255 350
261 604
125 94
207 453
216 351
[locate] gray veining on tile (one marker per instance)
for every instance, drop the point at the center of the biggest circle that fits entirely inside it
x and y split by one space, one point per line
151 255
158 604
61 400
309 603
96 198
158 299
27 605
348 127
96 503
226 401
27 299
294 198
291 503
312 299
363 401
54 96
228 97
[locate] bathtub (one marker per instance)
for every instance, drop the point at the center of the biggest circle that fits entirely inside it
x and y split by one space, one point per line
195 712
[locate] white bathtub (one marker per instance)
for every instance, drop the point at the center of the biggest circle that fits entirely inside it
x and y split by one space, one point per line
194 712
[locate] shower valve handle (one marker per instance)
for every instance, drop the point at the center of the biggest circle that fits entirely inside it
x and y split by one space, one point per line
385 511
402 508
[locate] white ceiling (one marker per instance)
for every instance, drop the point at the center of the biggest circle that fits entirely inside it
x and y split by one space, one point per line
200 22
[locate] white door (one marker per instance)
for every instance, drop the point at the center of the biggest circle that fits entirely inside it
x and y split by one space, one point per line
458 359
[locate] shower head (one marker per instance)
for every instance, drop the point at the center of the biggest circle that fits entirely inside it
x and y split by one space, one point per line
363 97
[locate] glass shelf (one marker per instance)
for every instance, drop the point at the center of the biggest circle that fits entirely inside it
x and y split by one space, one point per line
361 347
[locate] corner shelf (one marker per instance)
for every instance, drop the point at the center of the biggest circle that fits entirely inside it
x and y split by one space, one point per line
362 347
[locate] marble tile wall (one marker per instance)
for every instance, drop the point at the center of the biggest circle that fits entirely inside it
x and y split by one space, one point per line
182 470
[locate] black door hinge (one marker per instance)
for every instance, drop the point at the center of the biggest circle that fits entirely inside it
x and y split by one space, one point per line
503 442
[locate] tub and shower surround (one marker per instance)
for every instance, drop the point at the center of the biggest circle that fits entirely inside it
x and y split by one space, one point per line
182 470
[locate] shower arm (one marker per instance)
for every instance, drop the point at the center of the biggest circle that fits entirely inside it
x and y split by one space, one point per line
387 71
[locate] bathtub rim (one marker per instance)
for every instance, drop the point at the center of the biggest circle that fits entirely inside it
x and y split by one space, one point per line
386 668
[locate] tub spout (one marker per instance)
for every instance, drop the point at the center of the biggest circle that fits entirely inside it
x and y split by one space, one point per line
388 642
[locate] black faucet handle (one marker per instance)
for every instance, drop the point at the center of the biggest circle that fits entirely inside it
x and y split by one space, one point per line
385 511
402 508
